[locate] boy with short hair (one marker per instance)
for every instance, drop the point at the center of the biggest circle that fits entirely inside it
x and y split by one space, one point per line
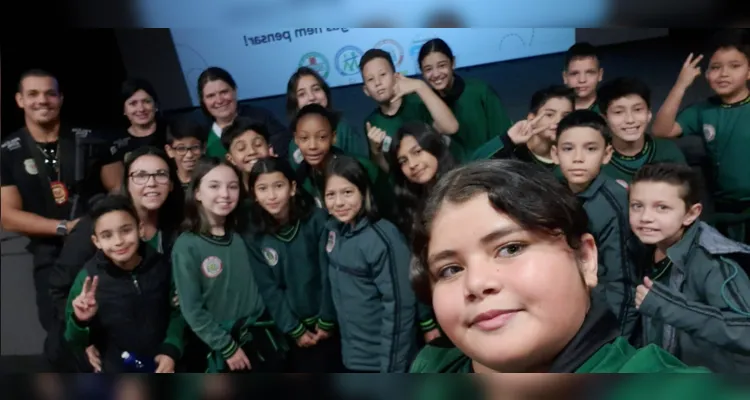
531 139
400 99
626 105
724 123
695 296
121 301
246 142
582 73
185 145
583 145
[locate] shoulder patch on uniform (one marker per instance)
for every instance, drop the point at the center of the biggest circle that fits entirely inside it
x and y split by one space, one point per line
12 144
623 184
297 156
30 166
331 241
212 267
271 256
709 132
81 133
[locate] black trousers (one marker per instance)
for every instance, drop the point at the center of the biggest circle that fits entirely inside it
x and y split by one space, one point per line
324 357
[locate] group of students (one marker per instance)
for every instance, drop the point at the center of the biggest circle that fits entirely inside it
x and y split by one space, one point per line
579 248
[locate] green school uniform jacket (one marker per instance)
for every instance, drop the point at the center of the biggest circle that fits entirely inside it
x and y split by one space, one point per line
699 306
726 131
376 307
382 189
412 109
502 147
291 270
135 311
606 204
215 284
596 348
348 139
655 150
480 114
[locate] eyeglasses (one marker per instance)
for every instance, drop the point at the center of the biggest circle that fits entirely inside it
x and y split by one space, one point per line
142 178
182 150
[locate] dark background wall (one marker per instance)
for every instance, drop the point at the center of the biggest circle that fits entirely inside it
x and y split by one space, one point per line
92 63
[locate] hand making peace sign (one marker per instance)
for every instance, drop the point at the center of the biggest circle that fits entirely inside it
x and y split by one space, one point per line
84 306
523 130
691 69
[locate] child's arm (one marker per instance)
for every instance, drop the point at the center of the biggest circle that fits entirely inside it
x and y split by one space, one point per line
185 269
77 250
398 301
666 123
327 315
273 296
714 321
444 120
77 333
174 344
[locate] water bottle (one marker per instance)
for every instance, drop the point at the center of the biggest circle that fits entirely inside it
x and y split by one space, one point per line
133 364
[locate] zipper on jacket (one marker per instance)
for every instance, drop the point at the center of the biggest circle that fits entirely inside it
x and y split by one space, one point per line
136 284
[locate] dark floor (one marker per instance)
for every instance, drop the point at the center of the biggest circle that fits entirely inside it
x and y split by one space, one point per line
23 364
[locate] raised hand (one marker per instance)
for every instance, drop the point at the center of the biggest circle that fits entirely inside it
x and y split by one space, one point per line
376 136
403 86
84 306
523 130
690 70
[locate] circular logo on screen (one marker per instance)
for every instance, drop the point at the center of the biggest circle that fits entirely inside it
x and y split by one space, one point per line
347 60
709 132
211 267
316 61
394 48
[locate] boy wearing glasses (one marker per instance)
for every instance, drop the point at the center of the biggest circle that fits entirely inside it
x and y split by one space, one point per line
185 145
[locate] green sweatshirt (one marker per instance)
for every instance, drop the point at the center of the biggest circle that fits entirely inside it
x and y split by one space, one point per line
291 270
480 114
502 147
214 148
606 203
348 139
655 150
412 109
215 284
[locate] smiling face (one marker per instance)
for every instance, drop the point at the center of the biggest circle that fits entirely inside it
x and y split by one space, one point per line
658 214
580 151
218 192
628 117
343 199
583 75
140 108
116 234
220 100
417 164
149 183
310 91
274 192
40 99
185 153
379 80
247 149
314 136
437 70
728 73
509 298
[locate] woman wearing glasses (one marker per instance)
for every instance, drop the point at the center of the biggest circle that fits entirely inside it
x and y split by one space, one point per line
149 182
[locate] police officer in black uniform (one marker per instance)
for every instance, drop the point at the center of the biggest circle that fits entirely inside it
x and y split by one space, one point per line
48 175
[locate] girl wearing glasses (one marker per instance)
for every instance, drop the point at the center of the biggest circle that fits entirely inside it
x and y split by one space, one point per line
148 182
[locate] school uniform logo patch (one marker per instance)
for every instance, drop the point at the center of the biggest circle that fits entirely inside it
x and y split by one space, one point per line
272 257
30 166
709 132
298 157
212 267
331 241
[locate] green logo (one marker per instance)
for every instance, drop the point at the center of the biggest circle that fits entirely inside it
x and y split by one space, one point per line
317 62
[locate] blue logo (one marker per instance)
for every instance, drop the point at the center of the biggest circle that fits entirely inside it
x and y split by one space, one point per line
347 60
